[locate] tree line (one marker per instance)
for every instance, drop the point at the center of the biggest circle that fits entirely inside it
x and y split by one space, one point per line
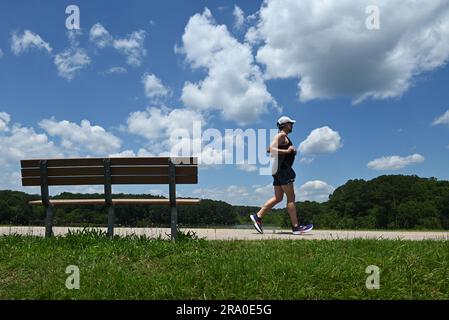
386 202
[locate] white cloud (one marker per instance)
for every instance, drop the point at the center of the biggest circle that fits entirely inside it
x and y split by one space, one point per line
234 194
125 153
71 61
21 143
327 46
213 148
132 47
100 36
68 63
72 36
18 143
130 153
444 119
265 190
1 53
172 131
306 160
239 17
247 167
257 195
315 191
80 138
234 84
5 118
154 89
321 140
24 142
116 70
395 162
158 123
11 180
21 43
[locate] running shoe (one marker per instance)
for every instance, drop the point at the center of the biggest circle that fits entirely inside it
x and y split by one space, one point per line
306 228
257 222
302 229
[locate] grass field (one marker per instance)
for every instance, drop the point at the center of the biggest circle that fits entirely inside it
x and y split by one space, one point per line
141 268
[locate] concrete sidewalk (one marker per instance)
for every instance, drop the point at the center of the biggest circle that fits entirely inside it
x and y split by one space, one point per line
247 234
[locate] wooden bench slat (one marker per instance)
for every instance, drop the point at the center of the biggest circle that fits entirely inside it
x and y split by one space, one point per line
95 180
122 170
116 201
69 162
159 170
83 162
154 161
67 171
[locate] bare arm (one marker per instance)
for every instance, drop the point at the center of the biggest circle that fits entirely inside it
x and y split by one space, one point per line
278 139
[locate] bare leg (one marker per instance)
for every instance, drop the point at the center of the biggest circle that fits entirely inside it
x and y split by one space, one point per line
278 195
291 208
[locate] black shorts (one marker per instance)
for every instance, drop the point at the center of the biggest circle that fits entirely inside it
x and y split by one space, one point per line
284 176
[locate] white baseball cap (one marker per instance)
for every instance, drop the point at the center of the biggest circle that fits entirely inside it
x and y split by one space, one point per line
284 120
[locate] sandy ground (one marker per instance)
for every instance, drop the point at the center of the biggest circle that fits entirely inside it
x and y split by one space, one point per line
247 234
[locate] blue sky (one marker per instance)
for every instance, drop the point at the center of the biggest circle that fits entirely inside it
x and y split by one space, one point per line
367 102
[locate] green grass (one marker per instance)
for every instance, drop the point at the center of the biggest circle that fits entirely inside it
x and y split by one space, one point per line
141 268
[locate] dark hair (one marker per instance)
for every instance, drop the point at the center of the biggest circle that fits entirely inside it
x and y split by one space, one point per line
280 126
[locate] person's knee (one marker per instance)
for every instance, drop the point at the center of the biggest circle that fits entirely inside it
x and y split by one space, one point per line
278 199
291 199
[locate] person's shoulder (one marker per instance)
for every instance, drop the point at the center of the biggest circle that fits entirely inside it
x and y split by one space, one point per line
281 134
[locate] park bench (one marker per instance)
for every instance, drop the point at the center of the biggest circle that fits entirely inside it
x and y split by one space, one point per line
108 172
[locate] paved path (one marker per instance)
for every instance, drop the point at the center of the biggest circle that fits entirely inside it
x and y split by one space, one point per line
247 234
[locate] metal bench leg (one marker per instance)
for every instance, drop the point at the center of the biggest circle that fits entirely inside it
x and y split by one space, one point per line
46 199
174 223
108 195
49 221
172 194
111 218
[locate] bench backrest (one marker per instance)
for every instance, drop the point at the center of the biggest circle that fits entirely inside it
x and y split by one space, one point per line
93 171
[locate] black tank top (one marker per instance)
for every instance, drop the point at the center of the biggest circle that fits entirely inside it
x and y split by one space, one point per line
286 160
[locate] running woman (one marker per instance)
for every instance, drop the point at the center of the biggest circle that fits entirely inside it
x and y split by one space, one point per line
283 177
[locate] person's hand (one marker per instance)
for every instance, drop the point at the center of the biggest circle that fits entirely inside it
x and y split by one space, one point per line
291 150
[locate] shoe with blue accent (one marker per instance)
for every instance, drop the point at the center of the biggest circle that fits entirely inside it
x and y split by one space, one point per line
257 222
302 229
